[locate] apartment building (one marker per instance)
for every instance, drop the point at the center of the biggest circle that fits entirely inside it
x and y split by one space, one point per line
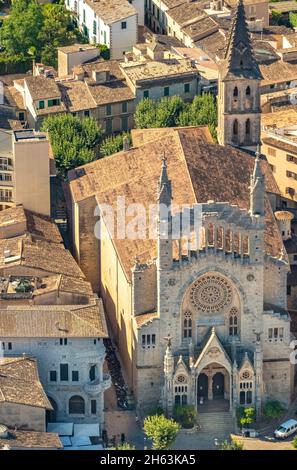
25 169
110 22
279 139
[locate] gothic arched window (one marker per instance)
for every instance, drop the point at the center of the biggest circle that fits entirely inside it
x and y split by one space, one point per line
235 92
233 322
235 127
248 127
187 325
248 91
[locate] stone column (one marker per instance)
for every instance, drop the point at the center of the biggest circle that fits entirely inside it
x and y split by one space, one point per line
210 383
223 239
206 237
215 237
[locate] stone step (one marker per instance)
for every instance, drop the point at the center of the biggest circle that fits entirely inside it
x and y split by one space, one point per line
219 423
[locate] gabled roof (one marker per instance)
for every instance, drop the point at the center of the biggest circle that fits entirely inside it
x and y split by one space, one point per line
199 171
239 59
19 383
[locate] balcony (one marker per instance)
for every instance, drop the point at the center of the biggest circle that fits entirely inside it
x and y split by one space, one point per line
98 386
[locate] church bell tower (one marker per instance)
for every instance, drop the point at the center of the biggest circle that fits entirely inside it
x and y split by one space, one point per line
239 113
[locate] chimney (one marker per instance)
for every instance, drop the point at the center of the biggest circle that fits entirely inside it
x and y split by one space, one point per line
126 143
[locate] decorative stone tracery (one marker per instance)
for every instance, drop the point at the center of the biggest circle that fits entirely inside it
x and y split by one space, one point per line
211 293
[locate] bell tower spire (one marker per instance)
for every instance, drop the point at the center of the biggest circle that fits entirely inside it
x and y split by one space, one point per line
239 92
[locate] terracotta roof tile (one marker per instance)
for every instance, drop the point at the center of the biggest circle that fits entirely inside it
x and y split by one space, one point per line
18 439
145 318
19 383
199 170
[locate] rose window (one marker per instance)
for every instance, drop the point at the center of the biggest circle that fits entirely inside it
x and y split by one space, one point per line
181 379
211 293
246 374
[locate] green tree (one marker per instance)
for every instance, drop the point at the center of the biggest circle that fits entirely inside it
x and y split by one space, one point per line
145 114
168 110
20 30
73 141
56 31
245 416
233 445
173 111
273 409
113 144
124 446
185 415
161 430
104 51
293 19
294 442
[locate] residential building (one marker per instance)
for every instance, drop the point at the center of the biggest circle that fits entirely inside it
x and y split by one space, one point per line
279 144
239 110
25 169
76 54
110 22
156 79
23 400
48 311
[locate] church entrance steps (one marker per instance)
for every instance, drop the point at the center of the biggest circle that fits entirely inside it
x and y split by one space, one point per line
218 424
214 406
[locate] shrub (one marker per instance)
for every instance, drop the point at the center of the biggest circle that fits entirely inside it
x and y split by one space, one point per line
161 430
273 409
185 415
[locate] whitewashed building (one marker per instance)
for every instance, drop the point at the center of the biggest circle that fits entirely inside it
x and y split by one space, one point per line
110 22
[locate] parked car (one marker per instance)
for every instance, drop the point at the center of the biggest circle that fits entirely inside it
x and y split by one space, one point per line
286 429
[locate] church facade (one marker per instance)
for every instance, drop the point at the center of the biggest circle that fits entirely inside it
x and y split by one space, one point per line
200 318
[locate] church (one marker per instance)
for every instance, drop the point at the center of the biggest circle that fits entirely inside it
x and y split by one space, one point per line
200 318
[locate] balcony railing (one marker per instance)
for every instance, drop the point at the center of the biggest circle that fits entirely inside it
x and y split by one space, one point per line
98 386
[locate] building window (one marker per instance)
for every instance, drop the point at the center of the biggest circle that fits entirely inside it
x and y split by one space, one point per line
53 376
235 127
233 322
291 174
55 102
94 27
64 372
76 405
41 104
146 94
148 340
124 25
9 346
187 87
187 325
75 376
5 163
124 124
5 177
124 107
93 372
247 127
108 126
275 334
181 392
166 91
5 195
108 110
21 116
271 152
235 92
292 159
93 407
63 341
248 91
84 16
290 191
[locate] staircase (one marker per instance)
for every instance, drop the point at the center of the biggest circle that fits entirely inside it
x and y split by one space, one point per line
218 425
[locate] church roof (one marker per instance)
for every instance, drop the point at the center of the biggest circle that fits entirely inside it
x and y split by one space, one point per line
239 59
198 169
